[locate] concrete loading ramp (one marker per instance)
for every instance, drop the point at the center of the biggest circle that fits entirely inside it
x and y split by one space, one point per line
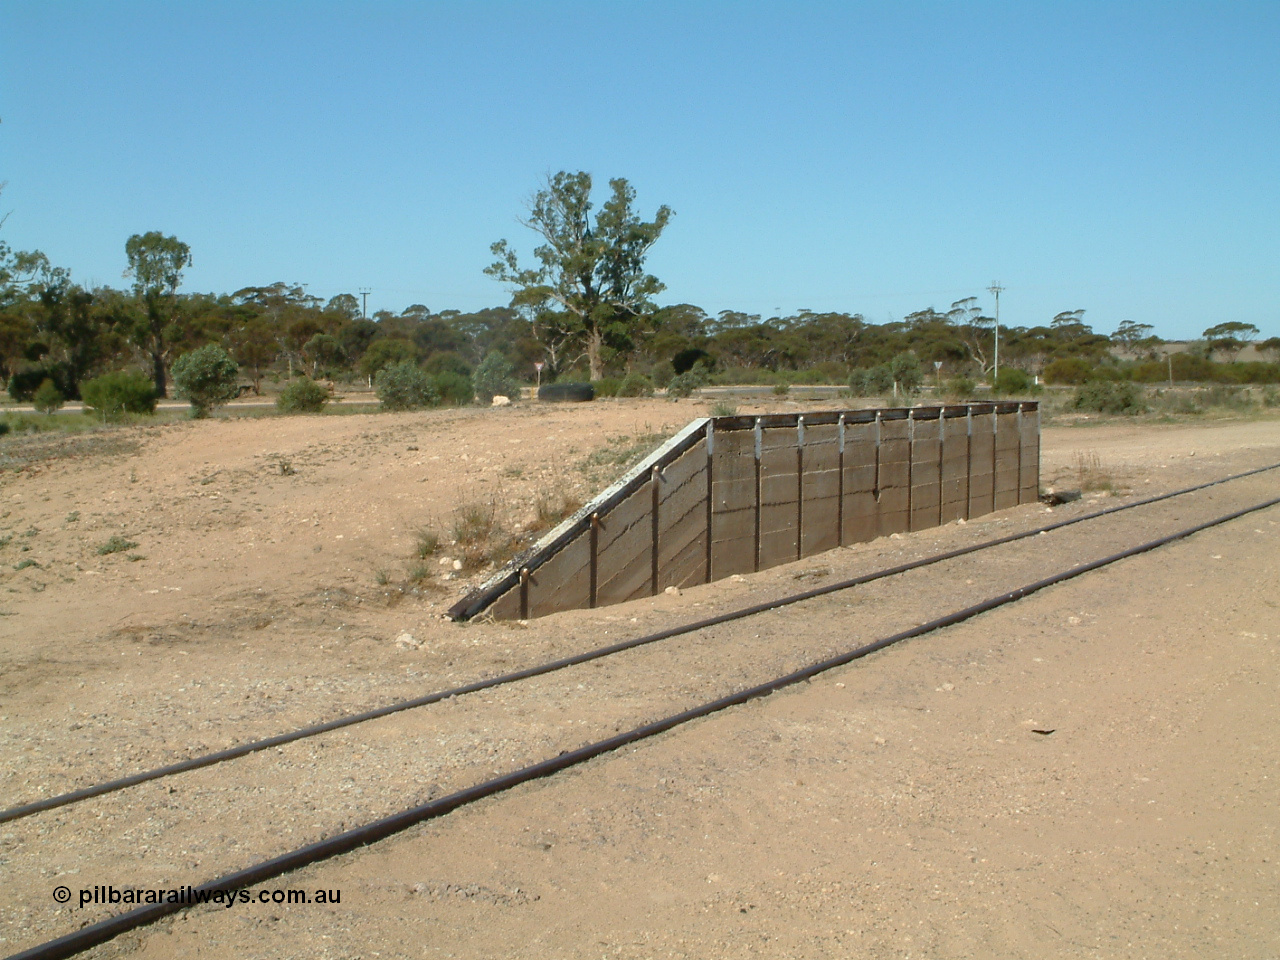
729 495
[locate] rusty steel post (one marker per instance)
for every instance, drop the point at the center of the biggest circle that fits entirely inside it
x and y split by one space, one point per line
654 480
759 438
911 459
995 455
840 481
875 485
968 459
799 487
711 433
942 446
595 558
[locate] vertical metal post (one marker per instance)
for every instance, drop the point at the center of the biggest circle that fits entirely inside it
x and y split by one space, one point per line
840 481
799 487
759 444
524 593
1037 448
711 433
995 454
595 552
655 479
968 459
911 457
942 445
875 486
1019 500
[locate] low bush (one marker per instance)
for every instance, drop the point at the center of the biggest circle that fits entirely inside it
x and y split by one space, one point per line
453 388
302 395
635 385
28 378
1227 397
662 374
446 361
495 377
1011 381
683 384
113 395
1072 371
1110 396
607 386
116 544
404 386
48 398
207 377
871 381
958 388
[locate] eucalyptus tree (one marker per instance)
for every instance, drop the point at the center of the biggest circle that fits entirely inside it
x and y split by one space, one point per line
590 274
156 263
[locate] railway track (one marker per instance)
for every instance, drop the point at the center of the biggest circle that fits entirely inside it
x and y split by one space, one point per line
350 839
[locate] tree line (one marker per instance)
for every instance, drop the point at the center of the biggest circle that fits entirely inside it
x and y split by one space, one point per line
586 309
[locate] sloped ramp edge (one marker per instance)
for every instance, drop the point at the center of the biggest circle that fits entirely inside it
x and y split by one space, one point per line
529 560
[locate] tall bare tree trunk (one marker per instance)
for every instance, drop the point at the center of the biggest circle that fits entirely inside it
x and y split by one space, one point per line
595 345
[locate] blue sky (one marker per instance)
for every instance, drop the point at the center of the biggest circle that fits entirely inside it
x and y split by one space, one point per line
877 158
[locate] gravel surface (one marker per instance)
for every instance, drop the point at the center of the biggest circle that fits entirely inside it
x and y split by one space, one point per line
902 806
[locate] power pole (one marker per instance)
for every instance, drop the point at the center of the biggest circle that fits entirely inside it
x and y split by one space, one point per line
364 306
995 367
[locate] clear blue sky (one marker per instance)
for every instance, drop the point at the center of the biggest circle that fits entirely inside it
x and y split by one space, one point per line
877 158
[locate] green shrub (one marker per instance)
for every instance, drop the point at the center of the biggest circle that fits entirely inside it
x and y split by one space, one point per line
606 386
495 377
207 377
385 352
302 395
683 384
116 544
453 388
1010 381
113 395
404 386
446 361
28 378
1110 396
907 372
958 388
634 385
47 399
724 408
781 389
1068 370
871 381
662 374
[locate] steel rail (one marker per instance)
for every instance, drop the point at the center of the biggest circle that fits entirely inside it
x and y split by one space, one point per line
254 746
104 930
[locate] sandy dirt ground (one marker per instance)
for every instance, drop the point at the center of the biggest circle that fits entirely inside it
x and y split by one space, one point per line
902 806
